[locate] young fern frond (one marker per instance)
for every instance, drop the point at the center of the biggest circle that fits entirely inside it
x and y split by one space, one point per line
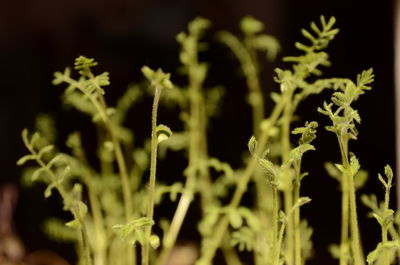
387 250
53 173
344 119
160 81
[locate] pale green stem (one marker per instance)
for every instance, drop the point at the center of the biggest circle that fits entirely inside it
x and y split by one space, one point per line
100 256
355 235
152 180
297 232
344 235
288 192
176 224
280 239
386 260
275 221
229 253
241 188
196 152
126 191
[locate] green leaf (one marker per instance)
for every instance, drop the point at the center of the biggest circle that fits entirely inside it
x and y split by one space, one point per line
300 202
341 168
235 219
45 150
252 145
154 241
298 152
282 217
389 174
269 169
251 219
382 180
74 224
373 255
24 159
139 234
163 132
84 64
360 179
354 165
157 78
333 171
250 25
37 173
379 219
83 209
365 79
244 238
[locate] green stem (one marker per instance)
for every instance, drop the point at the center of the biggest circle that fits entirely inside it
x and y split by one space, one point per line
197 151
344 235
349 178
126 191
229 253
275 223
152 180
280 240
176 224
386 260
297 232
288 192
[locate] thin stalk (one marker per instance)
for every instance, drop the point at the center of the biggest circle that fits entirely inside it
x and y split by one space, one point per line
196 152
280 239
126 191
275 223
297 232
288 192
152 180
176 224
229 253
348 177
84 237
98 222
386 260
241 188
344 234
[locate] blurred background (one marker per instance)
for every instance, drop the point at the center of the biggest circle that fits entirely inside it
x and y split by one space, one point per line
40 37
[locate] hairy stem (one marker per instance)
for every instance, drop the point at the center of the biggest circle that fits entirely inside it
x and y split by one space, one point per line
275 223
297 232
386 260
349 178
288 192
152 180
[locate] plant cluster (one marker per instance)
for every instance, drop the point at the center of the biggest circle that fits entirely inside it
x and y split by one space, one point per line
113 203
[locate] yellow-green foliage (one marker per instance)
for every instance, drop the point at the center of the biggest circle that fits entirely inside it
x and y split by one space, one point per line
113 203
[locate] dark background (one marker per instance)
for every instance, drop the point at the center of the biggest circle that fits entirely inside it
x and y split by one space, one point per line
40 37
